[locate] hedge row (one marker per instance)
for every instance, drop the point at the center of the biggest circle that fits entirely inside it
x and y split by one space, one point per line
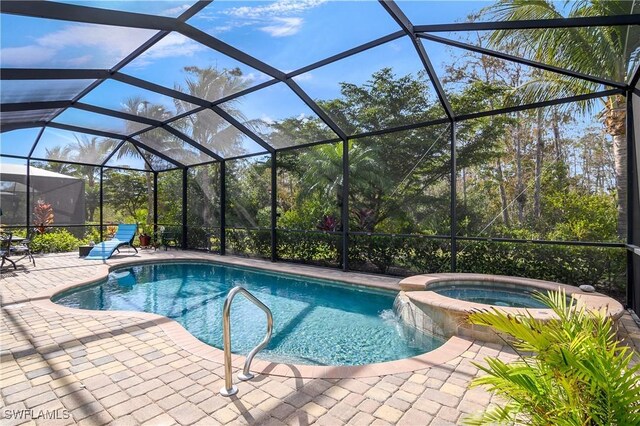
602 267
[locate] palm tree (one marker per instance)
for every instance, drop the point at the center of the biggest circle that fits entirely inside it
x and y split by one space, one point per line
57 153
90 150
323 171
139 106
207 128
610 52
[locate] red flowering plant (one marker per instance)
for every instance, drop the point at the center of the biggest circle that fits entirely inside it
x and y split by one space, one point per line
328 224
42 216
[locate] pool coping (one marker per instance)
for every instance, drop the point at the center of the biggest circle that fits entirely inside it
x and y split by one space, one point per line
452 348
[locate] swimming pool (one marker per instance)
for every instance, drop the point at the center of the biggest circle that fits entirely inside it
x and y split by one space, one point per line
316 322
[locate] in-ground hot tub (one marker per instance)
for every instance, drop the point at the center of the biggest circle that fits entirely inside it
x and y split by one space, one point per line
439 303
496 294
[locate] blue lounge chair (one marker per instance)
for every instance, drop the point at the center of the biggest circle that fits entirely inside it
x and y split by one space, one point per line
124 237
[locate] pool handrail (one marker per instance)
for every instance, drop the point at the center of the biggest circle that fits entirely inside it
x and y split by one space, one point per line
229 389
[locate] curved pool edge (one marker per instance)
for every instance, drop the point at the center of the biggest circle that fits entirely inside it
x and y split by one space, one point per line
452 348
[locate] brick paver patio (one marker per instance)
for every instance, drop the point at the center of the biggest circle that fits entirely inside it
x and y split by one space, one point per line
113 369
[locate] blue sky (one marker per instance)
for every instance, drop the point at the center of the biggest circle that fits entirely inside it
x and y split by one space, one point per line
286 34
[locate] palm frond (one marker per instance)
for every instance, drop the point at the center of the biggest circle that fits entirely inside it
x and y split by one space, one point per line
578 373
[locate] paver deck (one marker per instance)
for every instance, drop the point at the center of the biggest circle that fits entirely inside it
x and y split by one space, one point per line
111 368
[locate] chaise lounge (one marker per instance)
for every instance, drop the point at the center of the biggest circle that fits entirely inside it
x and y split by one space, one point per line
123 237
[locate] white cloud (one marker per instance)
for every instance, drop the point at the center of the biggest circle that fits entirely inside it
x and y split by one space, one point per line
26 56
80 61
283 27
304 77
173 45
278 8
274 19
267 119
175 11
109 44
222 29
254 78
231 25
118 42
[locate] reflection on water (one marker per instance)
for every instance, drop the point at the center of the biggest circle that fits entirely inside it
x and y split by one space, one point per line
315 322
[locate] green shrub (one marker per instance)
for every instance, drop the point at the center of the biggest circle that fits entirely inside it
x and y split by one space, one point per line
204 238
400 255
92 234
56 241
578 373
319 248
602 267
249 242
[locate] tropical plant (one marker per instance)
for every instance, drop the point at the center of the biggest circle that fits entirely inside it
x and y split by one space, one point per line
58 241
137 105
126 192
248 192
170 197
610 52
578 373
42 215
90 150
206 127
313 177
111 230
328 224
57 153
87 153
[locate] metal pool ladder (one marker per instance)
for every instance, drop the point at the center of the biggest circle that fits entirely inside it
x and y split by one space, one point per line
229 389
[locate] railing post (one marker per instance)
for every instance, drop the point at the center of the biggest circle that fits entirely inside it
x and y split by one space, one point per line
454 217
223 206
185 174
633 202
345 205
229 389
274 207
155 207
28 202
101 203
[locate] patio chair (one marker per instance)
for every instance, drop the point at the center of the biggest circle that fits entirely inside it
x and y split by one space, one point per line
5 248
22 249
123 237
166 238
170 239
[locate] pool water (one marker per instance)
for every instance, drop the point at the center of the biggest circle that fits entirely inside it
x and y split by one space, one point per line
490 293
315 322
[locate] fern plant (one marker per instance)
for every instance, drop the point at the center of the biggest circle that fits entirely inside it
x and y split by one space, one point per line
575 372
